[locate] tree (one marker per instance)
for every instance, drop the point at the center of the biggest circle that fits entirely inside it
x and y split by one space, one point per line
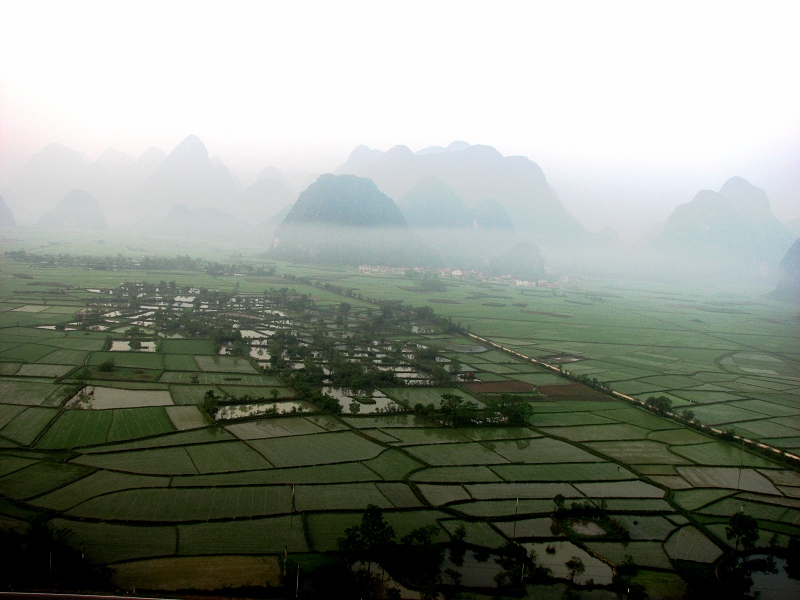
106 366
456 410
792 567
576 567
743 529
660 404
368 541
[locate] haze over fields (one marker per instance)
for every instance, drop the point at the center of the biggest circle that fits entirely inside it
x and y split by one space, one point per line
628 110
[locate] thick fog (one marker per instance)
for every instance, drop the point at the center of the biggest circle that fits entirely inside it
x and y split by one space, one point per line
587 127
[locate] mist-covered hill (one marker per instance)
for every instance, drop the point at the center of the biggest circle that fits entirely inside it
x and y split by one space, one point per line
343 219
431 203
187 176
6 216
128 189
718 230
523 261
475 174
788 288
507 198
263 199
78 209
195 223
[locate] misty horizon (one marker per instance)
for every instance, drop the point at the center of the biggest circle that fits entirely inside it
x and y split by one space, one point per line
295 183
630 111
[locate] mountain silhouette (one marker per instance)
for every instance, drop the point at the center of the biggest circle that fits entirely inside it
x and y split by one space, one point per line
187 175
78 209
263 199
788 288
433 204
343 219
475 174
6 216
735 224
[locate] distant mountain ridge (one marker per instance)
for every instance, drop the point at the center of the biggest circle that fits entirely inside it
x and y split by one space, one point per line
187 175
431 203
788 288
734 224
6 216
475 174
345 200
128 188
79 210
343 219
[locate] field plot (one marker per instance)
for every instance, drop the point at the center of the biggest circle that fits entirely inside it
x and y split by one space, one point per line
195 572
30 393
156 461
186 417
688 543
644 452
27 353
224 364
728 478
190 394
256 536
180 362
130 360
106 543
471 453
316 449
620 489
439 494
9 464
75 428
187 504
39 478
355 496
499 491
647 554
212 379
426 435
621 431
720 453
9 368
43 370
410 396
541 451
101 398
456 475
336 473
594 471
274 428
97 484
134 423
480 533
392 465
28 424
226 457
188 347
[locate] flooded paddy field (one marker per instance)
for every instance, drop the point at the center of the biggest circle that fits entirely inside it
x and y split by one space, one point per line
137 461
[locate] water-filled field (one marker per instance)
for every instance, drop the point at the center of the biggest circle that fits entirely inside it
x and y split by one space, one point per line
135 465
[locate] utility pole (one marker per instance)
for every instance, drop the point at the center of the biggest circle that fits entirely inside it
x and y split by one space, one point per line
516 512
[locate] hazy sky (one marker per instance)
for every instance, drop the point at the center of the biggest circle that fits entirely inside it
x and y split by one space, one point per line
630 108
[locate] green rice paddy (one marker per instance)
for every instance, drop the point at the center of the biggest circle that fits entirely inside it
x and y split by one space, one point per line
152 476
